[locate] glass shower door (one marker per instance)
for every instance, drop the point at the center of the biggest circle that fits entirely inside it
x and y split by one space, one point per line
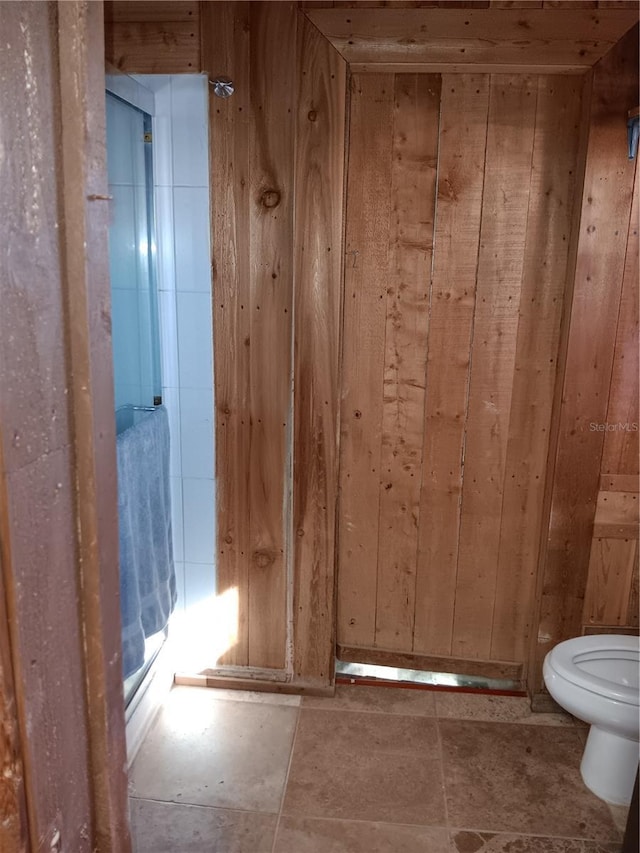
145 542
136 350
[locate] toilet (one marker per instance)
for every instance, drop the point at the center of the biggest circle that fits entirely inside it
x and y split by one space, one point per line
595 678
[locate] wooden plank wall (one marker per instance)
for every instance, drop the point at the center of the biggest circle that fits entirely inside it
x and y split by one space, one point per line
252 136
259 231
164 36
611 596
448 375
592 388
278 144
153 37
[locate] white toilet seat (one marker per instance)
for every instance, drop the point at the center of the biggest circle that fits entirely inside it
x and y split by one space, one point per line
566 656
596 679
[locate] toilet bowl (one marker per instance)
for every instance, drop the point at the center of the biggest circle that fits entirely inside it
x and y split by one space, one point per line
596 679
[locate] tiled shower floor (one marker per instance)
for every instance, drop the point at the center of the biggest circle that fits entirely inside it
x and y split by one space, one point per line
373 770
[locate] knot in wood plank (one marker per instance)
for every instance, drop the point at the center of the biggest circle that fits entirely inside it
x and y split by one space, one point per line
263 559
270 198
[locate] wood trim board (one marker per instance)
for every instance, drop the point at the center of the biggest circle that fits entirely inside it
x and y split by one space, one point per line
570 38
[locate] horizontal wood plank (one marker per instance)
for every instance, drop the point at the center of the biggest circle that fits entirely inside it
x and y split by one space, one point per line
491 67
573 37
616 515
610 577
430 663
131 11
152 48
620 483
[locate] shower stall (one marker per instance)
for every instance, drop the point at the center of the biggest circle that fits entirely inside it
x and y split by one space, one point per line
147 574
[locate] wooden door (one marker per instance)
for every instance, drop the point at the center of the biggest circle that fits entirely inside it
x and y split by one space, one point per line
458 212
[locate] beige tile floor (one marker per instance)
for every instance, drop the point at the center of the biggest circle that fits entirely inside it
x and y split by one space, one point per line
372 770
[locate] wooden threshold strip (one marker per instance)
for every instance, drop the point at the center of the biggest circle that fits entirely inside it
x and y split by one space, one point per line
428 663
225 682
364 681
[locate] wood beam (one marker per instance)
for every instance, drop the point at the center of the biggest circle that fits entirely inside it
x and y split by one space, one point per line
317 247
569 39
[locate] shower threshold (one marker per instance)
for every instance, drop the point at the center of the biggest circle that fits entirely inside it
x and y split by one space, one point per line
132 684
364 673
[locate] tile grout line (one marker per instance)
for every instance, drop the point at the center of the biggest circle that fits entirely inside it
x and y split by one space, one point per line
444 789
286 778
522 834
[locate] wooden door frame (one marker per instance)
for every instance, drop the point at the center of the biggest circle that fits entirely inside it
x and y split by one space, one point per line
86 213
338 25
74 34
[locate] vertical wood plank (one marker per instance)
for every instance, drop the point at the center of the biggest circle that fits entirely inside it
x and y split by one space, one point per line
14 827
225 43
633 610
603 230
320 139
413 197
611 566
621 451
553 170
463 131
366 263
59 569
273 88
500 263
87 290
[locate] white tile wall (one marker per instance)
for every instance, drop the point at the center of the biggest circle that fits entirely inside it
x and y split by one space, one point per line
180 587
181 177
171 399
199 519
177 519
190 130
165 238
200 584
195 359
193 267
196 429
168 317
